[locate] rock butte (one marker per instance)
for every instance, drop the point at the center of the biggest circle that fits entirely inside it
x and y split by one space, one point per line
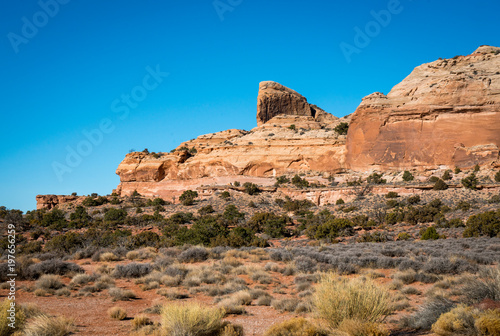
444 114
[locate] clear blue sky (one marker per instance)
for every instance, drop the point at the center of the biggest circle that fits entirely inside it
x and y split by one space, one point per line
65 73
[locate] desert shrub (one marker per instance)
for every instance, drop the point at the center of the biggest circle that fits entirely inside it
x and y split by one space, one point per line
497 176
285 304
415 199
281 255
194 254
54 219
119 294
457 170
407 176
115 215
225 195
300 182
81 279
470 182
337 299
476 168
191 319
331 229
187 197
339 201
49 281
251 188
355 328
282 180
488 322
43 325
440 185
458 321
427 314
375 179
446 175
373 237
403 236
132 270
207 209
305 264
487 286
108 256
117 313
8 310
429 233
269 223
52 266
391 194
440 265
494 199
143 239
79 218
455 223
342 128
66 243
487 224
297 326
94 200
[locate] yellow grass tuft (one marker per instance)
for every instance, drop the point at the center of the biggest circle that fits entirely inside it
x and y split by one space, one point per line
191 319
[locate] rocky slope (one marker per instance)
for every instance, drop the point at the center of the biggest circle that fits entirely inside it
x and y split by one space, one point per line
445 113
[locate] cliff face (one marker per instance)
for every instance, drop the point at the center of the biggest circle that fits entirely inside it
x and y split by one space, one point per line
445 113
271 149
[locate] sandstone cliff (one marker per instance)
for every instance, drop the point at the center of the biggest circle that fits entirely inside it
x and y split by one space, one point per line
445 113
273 148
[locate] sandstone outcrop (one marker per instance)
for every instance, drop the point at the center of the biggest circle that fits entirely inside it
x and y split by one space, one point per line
50 201
275 99
444 114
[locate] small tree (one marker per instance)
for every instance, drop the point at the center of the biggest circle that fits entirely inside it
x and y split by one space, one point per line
251 188
376 179
446 176
457 170
476 168
299 182
188 196
440 185
292 127
342 128
282 180
430 233
407 176
470 182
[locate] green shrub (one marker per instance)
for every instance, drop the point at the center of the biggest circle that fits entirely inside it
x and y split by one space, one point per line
332 228
413 199
446 176
476 168
339 201
187 197
300 182
292 127
440 185
225 195
251 188
54 219
483 224
429 233
207 209
115 215
407 176
337 299
457 170
342 128
282 180
497 177
68 243
93 200
376 179
403 236
391 194
470 182
236 183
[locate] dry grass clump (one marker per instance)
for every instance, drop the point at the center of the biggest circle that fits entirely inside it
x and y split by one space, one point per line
362 328
141 321
488 323
81 279
458 321
108 256
298 326
192 319
43 325
337 299
286 304
117 313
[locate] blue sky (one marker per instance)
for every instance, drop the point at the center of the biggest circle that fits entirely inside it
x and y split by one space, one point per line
68 69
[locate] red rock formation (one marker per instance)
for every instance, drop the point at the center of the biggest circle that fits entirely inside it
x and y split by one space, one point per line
50 201
445 113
